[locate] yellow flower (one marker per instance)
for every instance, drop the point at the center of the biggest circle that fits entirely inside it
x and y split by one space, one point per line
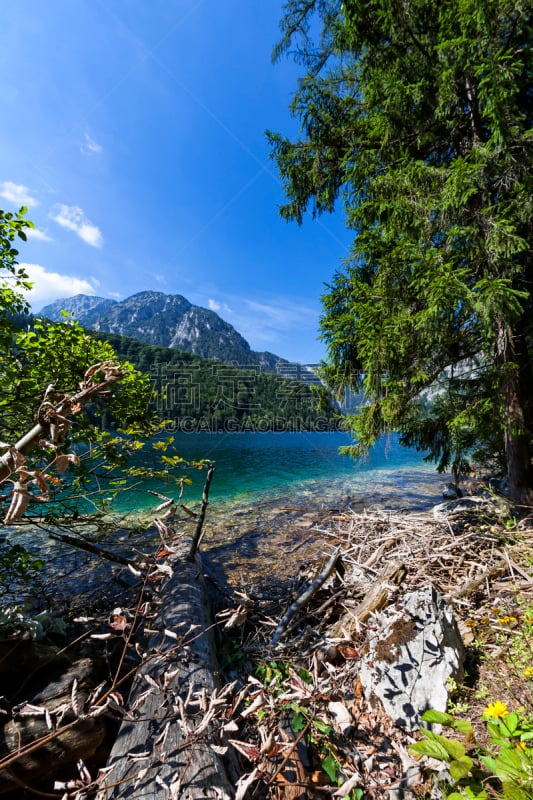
528 672
496 710
506 620
521 746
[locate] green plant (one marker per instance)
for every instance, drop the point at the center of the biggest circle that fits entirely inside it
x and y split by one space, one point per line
272 674
502 769
318 734
278 678
514 635
482 693
456 702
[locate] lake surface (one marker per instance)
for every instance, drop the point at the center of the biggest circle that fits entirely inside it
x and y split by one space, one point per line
289 468
274 497
273 494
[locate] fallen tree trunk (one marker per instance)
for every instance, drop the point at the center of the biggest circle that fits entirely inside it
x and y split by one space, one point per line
165 748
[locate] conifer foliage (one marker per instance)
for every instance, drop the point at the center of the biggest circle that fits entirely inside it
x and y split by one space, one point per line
416 116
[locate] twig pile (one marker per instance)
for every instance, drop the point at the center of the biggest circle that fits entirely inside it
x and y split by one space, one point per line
308 731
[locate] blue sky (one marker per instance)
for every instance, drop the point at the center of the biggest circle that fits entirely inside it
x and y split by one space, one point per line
135 132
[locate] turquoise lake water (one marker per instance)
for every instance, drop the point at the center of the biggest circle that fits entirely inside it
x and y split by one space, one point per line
274 494
273 499
303 468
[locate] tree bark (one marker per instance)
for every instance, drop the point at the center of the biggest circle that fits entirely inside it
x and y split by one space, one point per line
164 750
512 359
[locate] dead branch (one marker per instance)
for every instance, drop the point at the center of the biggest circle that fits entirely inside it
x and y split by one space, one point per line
197 538
89 547
305 596
470 586
50 415
377 597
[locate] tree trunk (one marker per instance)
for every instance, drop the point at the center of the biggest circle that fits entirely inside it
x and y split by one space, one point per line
165 749
514 365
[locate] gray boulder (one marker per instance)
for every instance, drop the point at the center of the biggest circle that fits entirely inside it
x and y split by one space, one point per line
414 648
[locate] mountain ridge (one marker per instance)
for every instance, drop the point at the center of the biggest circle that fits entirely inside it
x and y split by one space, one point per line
164 320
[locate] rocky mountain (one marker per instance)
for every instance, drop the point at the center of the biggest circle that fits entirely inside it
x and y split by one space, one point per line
167 321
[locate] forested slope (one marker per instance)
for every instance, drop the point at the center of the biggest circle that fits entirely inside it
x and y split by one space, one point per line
197 394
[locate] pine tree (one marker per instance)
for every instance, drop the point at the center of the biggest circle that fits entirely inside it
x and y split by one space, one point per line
417 116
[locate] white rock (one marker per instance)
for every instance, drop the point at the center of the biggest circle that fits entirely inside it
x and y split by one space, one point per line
414 649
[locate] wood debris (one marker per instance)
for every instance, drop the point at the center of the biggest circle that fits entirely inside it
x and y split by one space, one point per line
324 738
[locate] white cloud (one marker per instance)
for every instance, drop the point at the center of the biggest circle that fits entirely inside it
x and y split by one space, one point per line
74 219
269 324
91 147
17 193
50 286
265 324
35 233
282 314
214 306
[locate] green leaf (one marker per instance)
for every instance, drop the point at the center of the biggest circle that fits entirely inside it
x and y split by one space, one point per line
508 764
461 768
511 791
305 675
321 727
432 749
438 717
455 749
329 765
510 721
489 762
463 726
298 722
494 730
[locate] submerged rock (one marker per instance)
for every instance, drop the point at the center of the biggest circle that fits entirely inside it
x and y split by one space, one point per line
414 648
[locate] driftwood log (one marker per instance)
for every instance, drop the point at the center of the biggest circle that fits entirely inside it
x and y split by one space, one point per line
164 747
378 596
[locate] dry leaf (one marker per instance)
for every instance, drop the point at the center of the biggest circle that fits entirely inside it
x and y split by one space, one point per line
347 651
118 622
343 720
244 783
74 697
251 751
220 750
353 782
28 710
64 460
19 503
42 481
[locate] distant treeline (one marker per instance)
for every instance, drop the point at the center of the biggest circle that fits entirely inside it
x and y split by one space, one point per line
198 394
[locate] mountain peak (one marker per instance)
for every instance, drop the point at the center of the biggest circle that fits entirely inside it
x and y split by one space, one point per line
167 321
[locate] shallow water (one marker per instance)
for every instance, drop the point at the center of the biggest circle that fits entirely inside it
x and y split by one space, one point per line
253 468
272 497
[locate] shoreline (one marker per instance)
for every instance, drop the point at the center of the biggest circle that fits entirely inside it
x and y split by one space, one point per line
249 538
